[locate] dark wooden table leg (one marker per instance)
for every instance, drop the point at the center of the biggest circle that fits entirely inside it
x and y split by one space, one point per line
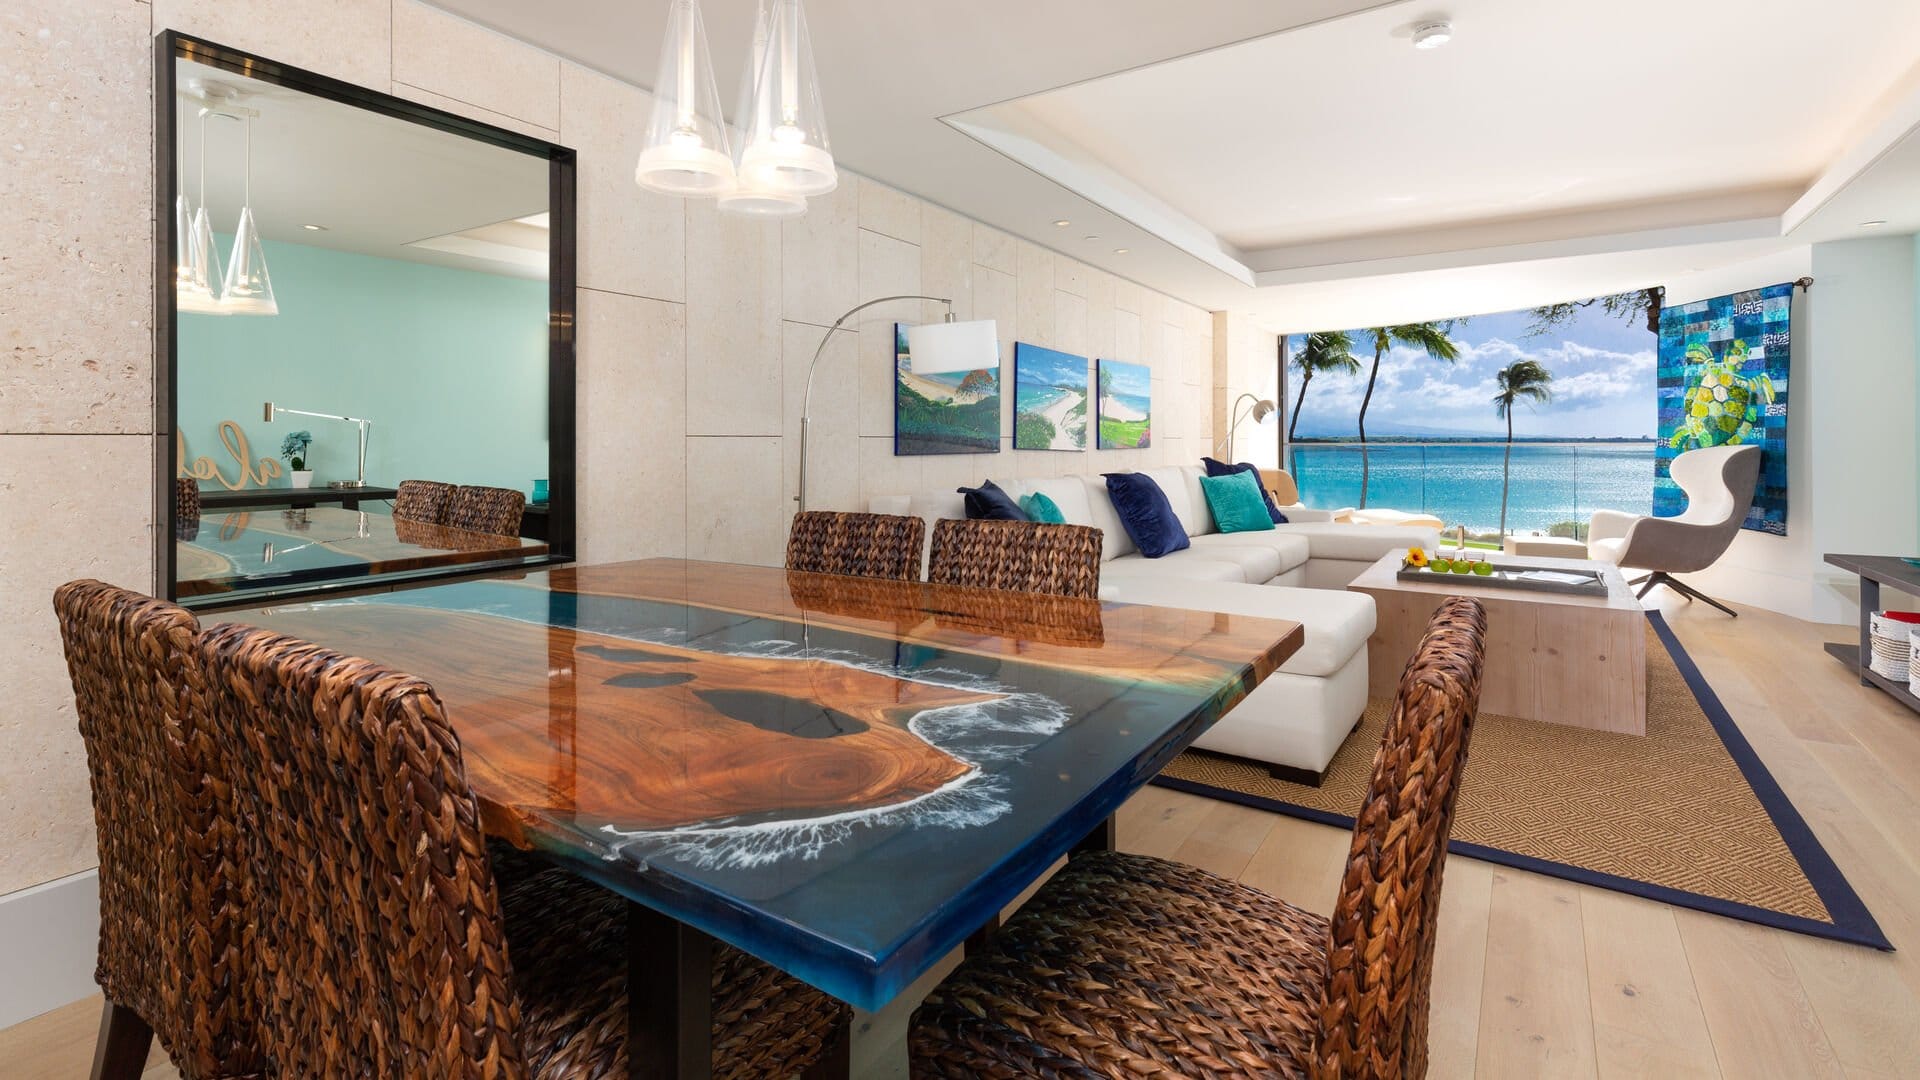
1869 603
669 998
1100 839
979 938
121 1050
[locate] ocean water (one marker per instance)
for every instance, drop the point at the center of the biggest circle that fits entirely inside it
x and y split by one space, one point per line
1459 483
1028 397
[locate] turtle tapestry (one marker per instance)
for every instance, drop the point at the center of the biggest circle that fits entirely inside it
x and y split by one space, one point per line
1723 382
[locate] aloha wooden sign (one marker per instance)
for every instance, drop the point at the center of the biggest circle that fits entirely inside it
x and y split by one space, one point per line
235 442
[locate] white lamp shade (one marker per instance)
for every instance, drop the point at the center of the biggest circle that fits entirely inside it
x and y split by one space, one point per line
248 289
787 147
686 149
943 348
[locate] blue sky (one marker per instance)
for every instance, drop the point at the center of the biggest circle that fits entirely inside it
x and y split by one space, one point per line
1603 382
1034 365
1134 380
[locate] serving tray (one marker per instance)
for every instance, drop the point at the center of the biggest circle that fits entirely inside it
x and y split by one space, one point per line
1522 578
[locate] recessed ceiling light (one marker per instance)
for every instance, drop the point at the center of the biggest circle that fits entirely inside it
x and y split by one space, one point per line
1062 223
1120 251
1874 224
1432 35
314 228
1093 236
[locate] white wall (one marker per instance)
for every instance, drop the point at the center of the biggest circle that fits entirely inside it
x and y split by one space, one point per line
1245 361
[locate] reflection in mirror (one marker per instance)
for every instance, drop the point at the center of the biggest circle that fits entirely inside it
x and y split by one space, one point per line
363 300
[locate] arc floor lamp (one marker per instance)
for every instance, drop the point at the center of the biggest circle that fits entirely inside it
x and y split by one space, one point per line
934 349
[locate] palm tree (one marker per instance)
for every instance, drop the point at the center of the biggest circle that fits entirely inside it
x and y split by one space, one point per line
1327 352
1428 336
1522 379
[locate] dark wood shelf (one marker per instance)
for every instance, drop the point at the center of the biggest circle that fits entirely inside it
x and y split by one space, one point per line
297 498
1849 654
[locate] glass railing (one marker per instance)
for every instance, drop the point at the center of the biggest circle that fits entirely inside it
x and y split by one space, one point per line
1552 488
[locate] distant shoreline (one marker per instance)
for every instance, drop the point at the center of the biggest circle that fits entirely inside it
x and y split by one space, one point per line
1403 440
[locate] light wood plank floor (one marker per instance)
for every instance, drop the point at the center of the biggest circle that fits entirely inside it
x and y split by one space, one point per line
1538 977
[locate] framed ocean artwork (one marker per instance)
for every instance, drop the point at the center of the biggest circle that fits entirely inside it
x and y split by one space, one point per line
1126 405
956 413
1050 399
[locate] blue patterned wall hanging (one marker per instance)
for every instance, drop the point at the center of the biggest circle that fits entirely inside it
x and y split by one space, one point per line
1723 381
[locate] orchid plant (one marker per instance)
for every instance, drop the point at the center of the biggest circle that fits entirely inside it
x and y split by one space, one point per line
294 449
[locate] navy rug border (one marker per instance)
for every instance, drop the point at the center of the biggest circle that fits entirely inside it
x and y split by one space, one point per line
1852 922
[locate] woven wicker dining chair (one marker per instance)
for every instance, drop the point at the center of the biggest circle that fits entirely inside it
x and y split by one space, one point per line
1021 556
186 499
425 501
1128 966
379 938
169 916
856 545
486 510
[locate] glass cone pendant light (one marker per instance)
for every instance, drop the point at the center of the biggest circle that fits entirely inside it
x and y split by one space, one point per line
787 149
756 200
247 289
686 147
197 265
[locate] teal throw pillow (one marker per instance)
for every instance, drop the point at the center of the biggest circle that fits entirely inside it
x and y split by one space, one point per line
1236 502
1041 508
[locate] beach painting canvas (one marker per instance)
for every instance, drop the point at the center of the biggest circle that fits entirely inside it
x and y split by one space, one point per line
1126 405
1050 403
951 413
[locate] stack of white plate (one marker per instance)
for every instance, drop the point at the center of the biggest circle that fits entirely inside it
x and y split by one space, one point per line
1891 637
1913 664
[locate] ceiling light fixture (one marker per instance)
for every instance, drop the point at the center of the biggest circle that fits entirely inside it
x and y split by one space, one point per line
752 196
686 148
314 228
787 146
197 273
1432 35
1062 223
248 290
1093 236
1120 251
1874 224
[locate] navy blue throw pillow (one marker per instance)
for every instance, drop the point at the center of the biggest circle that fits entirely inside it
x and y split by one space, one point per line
1221 468
1146 514
988 503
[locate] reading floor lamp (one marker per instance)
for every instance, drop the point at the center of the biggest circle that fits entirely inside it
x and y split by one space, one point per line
935 349
1262 408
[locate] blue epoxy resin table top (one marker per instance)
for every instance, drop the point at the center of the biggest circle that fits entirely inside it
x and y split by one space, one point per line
843 777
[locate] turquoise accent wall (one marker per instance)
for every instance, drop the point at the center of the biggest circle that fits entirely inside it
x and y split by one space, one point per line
450 365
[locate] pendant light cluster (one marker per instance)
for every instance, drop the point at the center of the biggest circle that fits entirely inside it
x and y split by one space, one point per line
777 157
200 285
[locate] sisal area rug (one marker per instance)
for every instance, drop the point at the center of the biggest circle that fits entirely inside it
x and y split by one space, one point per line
1685 814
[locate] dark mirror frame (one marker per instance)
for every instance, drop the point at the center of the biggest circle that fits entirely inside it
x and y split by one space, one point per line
171 46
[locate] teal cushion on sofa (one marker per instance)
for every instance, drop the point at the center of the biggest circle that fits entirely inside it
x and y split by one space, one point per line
1041 508
1236 502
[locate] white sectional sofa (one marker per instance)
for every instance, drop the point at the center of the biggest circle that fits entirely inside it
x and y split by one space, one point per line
1297 719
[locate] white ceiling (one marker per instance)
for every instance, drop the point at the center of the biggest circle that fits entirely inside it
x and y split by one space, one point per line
1290 158
378 184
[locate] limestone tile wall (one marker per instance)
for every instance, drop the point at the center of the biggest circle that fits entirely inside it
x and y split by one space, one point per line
694 331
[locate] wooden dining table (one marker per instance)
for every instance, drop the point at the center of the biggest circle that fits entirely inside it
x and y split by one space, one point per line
844 777
246 550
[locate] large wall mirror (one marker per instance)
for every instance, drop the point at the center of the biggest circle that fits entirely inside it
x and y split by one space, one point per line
364 347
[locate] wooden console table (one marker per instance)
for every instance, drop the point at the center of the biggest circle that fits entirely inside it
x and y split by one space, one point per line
297 498
1875 571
